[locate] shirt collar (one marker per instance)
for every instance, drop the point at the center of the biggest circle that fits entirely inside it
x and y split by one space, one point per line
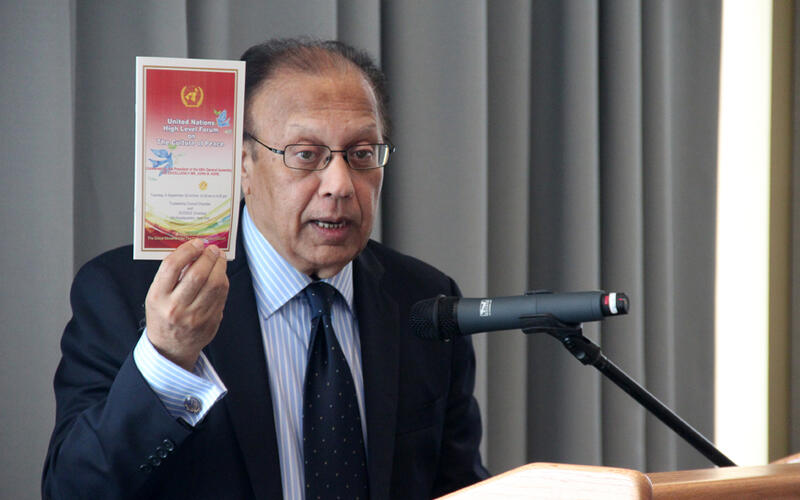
275 280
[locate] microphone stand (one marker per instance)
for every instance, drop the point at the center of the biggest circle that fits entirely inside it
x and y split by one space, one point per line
589 353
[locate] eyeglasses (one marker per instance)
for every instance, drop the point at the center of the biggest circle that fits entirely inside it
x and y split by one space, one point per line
318 156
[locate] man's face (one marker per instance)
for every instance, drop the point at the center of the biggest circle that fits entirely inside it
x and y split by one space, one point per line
318 221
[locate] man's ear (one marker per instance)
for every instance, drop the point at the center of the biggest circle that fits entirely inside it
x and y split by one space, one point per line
247 168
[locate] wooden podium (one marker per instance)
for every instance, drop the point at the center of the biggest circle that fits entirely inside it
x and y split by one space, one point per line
574 482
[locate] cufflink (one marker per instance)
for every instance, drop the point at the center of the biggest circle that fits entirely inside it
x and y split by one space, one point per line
192 404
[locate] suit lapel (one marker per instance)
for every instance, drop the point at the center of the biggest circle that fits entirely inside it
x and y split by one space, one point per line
238 344
377 324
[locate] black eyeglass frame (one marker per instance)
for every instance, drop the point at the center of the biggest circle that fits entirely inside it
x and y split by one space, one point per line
282 152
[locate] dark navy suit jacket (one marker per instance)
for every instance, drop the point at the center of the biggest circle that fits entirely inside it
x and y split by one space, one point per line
423 424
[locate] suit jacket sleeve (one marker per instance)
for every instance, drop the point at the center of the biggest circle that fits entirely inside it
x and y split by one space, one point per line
111 429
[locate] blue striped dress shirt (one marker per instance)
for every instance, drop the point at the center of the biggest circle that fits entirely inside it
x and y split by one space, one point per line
186 395
285 319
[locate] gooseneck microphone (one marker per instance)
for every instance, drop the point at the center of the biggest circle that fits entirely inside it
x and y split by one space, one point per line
559 315
445 318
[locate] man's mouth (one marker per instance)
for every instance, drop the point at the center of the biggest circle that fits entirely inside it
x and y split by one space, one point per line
329 224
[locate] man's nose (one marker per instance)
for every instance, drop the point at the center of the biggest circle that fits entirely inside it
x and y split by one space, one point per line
336 179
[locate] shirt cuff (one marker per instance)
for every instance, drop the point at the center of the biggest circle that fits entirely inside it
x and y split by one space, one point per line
186 395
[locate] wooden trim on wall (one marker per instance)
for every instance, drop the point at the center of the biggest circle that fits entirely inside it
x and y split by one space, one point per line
781 252
794 416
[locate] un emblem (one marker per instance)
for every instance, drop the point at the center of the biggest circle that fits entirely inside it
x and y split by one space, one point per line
192 96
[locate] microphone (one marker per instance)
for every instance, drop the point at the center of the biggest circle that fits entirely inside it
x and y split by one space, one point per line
445 318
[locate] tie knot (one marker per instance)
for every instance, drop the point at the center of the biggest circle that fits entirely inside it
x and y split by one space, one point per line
320 297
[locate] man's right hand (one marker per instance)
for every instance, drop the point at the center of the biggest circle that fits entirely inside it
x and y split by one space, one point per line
185 302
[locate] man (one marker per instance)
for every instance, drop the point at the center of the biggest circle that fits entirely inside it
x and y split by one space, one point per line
215 398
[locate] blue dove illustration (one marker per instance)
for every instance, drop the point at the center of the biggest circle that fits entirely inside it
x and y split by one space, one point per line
222 119
166 162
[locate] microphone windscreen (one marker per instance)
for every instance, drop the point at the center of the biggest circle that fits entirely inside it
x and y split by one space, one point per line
422 319
435 318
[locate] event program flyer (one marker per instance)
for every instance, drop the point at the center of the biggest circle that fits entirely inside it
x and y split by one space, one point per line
188 153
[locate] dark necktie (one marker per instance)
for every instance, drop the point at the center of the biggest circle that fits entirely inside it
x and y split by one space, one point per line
333 444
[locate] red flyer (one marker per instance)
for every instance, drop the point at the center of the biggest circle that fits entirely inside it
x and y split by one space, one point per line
189 115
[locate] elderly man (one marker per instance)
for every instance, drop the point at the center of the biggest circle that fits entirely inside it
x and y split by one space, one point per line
290 371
